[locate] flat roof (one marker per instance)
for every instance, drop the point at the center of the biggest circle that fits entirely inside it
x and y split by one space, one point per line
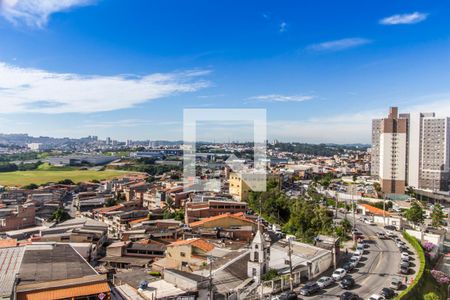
48 262
10 260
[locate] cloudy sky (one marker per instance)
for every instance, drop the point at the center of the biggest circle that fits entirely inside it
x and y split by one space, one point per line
127 69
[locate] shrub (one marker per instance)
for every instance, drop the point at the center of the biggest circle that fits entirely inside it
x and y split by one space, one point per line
440 277
413 288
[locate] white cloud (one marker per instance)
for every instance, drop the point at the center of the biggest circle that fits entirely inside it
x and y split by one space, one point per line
34 90
283 26
338 45
282 98
401 19
36 12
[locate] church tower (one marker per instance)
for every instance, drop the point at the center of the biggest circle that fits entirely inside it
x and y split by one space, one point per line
259 257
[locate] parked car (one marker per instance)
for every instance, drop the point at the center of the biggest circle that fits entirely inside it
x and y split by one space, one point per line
347 282
405 258
355 260
358 254
405 255
404 264
404 270
396 283
309 289
348 266
288 296
360 247
390 227
324 281
349 296
338 274
387 293
403 248
376 297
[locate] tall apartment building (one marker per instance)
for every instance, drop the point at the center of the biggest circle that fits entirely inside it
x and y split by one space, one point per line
429 155
411 150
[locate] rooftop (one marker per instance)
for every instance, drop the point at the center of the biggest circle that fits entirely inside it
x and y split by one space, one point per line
10 260
48 262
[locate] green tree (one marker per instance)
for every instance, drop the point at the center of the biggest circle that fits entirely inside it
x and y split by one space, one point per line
377 188
415 214
66 181
431 296
31 186
60 215
111 202
346 225
437 216
170 205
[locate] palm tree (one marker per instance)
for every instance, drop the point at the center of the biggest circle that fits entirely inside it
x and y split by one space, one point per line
170 205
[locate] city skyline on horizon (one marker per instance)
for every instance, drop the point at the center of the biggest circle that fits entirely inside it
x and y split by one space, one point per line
95 67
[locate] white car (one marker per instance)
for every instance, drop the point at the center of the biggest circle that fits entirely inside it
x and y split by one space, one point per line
354 260
405 255
358 253
339 274
360 247
368 221
376 297
324 281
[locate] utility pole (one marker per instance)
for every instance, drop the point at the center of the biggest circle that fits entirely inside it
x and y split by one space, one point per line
354 207
291 279
210 296
384 210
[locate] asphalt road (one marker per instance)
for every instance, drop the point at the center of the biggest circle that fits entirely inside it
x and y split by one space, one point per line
379 264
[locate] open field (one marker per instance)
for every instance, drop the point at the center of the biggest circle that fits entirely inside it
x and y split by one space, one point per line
21 178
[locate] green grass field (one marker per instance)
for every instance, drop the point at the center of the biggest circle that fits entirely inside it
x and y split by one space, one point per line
44 175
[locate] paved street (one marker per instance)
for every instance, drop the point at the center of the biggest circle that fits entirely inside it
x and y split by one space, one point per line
380 263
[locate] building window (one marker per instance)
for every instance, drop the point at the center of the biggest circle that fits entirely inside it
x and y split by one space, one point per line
182 254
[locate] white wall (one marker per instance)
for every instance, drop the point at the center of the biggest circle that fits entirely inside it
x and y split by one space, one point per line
414 149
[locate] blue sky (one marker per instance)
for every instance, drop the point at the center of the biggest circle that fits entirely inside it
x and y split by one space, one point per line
127 69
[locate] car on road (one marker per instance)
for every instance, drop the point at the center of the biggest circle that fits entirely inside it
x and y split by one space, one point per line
358 254
348 266
338 274
404 270
387 293
286 296
403 248
396 283
400 243
349 296
381 235
376 297
324 281
369 222
405 254
390 227
404 264
355 260
309 289
347 282
360 246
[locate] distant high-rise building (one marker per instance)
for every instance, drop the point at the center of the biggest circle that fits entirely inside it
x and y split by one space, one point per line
411 150
108 141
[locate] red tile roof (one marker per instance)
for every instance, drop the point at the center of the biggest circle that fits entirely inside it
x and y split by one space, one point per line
376 211
196 242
